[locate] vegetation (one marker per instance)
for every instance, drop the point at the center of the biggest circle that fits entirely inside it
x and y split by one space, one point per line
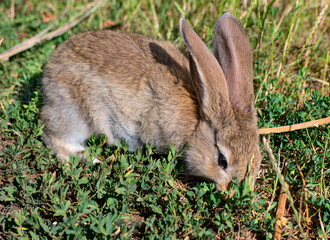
145 195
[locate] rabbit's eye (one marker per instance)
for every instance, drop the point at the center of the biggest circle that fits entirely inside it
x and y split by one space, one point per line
222 161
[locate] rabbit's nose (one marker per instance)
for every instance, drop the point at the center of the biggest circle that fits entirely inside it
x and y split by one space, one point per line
223 186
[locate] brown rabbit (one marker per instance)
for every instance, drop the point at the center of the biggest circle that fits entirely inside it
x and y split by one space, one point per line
131 87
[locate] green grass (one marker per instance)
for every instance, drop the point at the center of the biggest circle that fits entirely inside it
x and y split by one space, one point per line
144 195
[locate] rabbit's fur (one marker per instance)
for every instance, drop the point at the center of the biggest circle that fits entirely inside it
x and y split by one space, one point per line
128 86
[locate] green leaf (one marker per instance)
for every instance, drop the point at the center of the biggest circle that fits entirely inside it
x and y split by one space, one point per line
121 190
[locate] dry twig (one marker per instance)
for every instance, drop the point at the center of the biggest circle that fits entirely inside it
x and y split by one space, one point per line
280 220
314 123
24 45
283 184
303 190
304 196
44 35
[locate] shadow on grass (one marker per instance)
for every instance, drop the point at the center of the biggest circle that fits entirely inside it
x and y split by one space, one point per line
29 88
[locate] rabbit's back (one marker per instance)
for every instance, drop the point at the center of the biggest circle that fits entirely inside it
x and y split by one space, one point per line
126 86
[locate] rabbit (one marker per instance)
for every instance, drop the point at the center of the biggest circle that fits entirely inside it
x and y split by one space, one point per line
130 87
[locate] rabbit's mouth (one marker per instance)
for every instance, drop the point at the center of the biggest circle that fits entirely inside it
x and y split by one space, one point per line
223 186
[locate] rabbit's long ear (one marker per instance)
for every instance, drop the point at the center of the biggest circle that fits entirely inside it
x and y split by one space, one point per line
208 78
232 49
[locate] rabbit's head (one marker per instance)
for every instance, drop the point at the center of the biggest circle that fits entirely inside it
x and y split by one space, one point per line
225 144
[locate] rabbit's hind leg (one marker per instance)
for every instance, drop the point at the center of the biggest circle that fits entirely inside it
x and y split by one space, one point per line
65 130
72 143
64 147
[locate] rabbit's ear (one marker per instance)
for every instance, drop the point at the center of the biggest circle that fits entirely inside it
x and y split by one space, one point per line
208 78
231 47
